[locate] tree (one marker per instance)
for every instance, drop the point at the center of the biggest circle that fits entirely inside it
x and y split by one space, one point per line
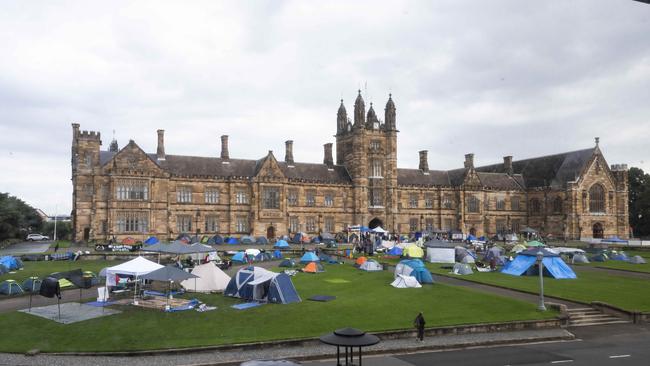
63 230
639 201
17 219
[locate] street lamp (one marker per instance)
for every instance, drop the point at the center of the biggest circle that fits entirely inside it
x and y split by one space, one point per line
198 216
540 258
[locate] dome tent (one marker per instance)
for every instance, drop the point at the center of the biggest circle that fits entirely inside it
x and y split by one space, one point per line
281 244
309 257
415 268
371 265
210 279
313 267
462 269
525 262
402 281
32 284
579 258
10 287
637 259
288 263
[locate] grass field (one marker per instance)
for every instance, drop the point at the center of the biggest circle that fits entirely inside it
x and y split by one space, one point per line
41 269
364 300
625 292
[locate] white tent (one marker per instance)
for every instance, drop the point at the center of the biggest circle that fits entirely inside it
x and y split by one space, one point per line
252 252
371 266
135 267
462 269
379 230
441 255
211 279
402 281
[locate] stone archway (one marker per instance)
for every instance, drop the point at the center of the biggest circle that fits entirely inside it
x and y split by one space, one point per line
375 223
270 232
597 231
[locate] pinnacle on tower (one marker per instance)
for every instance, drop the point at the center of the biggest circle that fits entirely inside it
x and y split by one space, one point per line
389 114
359 111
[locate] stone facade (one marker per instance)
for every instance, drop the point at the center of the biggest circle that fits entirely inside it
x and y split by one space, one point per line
128 192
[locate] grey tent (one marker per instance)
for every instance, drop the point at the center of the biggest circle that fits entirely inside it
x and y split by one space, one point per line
493 253
528 230
168 273
637 259
579 258
261 240
468 259
247 239
462 269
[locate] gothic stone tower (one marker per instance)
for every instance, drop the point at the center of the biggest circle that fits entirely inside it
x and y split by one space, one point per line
368 149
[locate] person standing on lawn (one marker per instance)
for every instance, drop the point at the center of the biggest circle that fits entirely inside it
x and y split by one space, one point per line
419 325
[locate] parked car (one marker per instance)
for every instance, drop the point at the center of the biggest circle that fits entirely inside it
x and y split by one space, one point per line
37 237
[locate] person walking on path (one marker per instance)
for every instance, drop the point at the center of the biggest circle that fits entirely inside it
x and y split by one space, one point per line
419 325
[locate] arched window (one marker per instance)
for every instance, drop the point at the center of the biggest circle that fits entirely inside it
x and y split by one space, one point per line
535 206
473 204
596 198
557 205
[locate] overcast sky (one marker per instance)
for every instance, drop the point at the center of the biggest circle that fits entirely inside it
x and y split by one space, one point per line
521 78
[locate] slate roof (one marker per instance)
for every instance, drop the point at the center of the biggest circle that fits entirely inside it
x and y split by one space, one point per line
417 177
552 170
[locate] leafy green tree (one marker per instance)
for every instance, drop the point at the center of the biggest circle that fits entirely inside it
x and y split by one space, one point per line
63 230
639 202
17 219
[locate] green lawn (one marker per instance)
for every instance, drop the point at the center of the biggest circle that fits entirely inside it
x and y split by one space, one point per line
40 269
365 301
625 292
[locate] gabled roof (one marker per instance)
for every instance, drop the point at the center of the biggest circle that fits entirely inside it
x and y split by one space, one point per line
552 170
417 177
499 181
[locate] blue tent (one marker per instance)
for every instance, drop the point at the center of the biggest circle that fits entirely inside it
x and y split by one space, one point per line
471 237
277 254
525 262
232 240
247 239
297 238
281 290
261 240
218 239
32 283
288 263
482 238
614 239
239 257
415 268
600 257
620 257
237 285
10 287
309 257
395 251
10 262
151 240
315 240
281 244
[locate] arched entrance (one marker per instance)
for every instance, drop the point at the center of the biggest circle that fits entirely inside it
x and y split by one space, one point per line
86 234
270 232
375 222
598 231
472 231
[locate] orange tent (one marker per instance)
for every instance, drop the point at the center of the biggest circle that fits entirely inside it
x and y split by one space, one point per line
313 267
361 260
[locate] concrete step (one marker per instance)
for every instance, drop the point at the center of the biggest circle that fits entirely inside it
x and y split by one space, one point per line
594 320
592 316
570 310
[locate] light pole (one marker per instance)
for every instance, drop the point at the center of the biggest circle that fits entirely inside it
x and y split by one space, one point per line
540 258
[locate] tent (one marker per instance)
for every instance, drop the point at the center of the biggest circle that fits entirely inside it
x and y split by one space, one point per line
32 284
151 240
579 258
232 240
288 263
237 285
468 259
637 259
252 252
10 287
3 269
471 237
378 230
186 238
327 238
313 267
263 256
281 244
239 257
493 253
620 256
462 269
614 239
528 230
315 240
277 254
309 257
413 251
261 240
601 257
525 262
397 251
440 252
168 274
415 268
210 279
281 290
135 267
371 265
247 239
217 239
205 239
402 281
11 263
359 261
518 248
299 238
535 243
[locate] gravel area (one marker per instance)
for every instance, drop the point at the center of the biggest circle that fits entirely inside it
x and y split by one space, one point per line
312 350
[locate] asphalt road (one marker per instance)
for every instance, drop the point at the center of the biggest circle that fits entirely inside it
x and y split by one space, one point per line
27 247
625 344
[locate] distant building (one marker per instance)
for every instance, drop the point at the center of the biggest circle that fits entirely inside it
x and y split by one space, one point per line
129 192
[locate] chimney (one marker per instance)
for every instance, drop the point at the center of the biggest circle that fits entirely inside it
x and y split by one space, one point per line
288 154
327 159
507 164
160 152
224 147
469 161
424 163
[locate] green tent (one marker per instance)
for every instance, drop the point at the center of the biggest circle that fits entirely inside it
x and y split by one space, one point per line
535 243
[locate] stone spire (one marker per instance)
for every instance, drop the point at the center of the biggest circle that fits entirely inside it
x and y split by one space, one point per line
359 112
113 146
341 119
372 117
389 117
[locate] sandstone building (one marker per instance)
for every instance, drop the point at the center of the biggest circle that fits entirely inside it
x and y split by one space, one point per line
129 192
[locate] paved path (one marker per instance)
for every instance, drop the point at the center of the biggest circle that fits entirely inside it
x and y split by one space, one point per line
614 272
26 247
312 349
